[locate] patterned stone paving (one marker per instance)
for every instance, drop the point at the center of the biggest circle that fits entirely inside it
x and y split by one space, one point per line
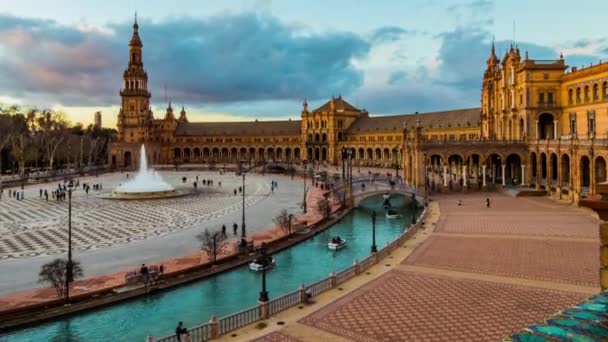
405 306
560 225
561 261
276 336
34 226
524 240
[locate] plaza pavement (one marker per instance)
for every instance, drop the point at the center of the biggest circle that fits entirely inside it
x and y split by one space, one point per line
110 236
478 274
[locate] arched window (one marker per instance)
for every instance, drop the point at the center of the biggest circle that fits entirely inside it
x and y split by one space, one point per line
324 137
605 90
578 95
587 98
570 96
596 92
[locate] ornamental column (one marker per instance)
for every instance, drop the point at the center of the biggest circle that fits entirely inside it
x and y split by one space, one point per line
555 129
445 176
464 175
523 175
483 169
537 130
504 179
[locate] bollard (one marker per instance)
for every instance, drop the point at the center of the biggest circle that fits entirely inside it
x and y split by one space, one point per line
333 279
213 325
264 314
356 265
302 290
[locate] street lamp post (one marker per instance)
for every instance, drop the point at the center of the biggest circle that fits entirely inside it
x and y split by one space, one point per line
305 172
426 192
243 233
374 248
265 258
343 171
69 274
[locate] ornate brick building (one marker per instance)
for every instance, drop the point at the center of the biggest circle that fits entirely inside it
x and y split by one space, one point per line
538 125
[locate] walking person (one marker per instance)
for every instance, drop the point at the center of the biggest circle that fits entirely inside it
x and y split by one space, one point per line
40 193
487 202
161 269
224 231
235 228
46 195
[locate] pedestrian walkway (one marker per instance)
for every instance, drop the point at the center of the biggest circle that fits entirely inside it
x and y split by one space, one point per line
481 275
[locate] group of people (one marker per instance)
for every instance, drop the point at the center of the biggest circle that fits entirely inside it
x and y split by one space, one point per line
18 195
151 274
273 185
336 240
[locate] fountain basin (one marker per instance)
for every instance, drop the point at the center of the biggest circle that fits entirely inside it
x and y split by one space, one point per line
126 195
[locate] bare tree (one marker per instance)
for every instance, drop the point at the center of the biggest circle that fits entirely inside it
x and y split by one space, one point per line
54 273
53 131
283 220
20 144
211 243
6 133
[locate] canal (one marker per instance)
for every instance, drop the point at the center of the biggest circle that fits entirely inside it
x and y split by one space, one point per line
157 314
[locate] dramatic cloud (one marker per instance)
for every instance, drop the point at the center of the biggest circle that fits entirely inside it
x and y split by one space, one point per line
221 59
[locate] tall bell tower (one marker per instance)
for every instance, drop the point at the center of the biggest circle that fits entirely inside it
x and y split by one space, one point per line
135 117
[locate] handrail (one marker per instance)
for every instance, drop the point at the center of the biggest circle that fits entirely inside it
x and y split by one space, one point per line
319 287
284 302
238 320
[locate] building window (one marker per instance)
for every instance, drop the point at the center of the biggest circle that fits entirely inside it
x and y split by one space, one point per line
587 98
573 124
550 98
541 98
596 92
578 96
546 76
570 97
591 122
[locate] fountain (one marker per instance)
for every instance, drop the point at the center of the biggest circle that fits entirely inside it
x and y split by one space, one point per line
147 184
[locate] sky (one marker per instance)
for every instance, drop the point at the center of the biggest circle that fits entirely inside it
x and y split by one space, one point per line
230 60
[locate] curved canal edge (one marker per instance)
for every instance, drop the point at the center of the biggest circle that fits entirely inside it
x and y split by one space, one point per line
39 313
264 311
290 316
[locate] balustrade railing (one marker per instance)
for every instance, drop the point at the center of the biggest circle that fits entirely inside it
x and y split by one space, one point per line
344 275
197 334
367 263
284 302
238 320
319 287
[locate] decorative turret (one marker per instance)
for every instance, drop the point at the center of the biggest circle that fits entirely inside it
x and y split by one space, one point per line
169 114
493 60
182 115
305 107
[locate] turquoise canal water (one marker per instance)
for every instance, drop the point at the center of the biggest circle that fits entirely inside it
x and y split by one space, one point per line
157 314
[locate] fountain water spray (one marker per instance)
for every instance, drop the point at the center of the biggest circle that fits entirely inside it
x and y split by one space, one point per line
147 183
